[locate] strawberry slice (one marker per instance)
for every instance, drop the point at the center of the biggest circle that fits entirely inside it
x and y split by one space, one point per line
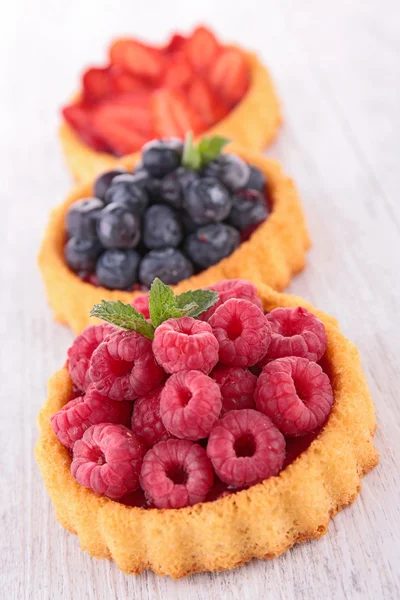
138 59
124 82
229 75
79 118
208 106
97 84
201 48
175 44
173 114
178 71
126 127
138 99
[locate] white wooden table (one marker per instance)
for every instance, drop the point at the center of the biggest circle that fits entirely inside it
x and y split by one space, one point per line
336 66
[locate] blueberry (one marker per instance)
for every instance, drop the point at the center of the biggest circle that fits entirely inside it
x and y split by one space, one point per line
174 184
103 182
189 226
160 157
208 245
230 169
81 255
118 227
161 227
150 184
249 208
82 218
168 264
129 191
117 269
256 180
207 201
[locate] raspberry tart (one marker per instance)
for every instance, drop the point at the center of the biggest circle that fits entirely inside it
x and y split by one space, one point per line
199 440
186 213
192 83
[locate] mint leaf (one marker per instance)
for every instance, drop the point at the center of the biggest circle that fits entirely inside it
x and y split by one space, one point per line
191 156
196 302
123 315
162 303
210 148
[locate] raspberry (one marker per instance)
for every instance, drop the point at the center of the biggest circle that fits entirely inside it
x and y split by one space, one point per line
237 387
80 352
232 288
108 460
242 331
141 304
245 447
123 367
218 490
295 393
146 420
136 498
70 423
190 404
176 473
295 332
184 344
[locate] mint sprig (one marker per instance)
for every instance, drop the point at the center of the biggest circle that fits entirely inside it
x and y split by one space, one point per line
199 300
195 157
163 305
124 316
191 157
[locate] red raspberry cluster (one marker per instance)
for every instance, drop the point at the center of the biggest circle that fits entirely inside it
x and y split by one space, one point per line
184 418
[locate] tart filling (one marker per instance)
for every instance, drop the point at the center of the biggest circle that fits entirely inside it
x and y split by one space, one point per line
232 433
184 209
127 228
144 91
193 83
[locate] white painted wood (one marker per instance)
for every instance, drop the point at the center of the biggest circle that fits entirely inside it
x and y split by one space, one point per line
336 65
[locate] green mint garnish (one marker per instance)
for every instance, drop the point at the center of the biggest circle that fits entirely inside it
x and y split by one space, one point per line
191 156
210 148
163 305
195 157
200 300
123 315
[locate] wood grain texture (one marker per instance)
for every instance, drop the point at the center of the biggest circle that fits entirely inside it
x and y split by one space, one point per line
336 68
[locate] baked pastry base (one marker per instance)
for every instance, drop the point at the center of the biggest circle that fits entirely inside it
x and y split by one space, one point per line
261 522
273 254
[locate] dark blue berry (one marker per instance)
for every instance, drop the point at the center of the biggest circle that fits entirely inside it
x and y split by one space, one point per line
230 169
249 208
207 201
117 269
129 191
174 184
82 218
208 245
103 182
168 264
82 255
160 157
189 226
161 227
118 227
150 184
256 180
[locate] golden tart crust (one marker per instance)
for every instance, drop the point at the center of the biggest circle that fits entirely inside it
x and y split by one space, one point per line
253 123
292 507
275 252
